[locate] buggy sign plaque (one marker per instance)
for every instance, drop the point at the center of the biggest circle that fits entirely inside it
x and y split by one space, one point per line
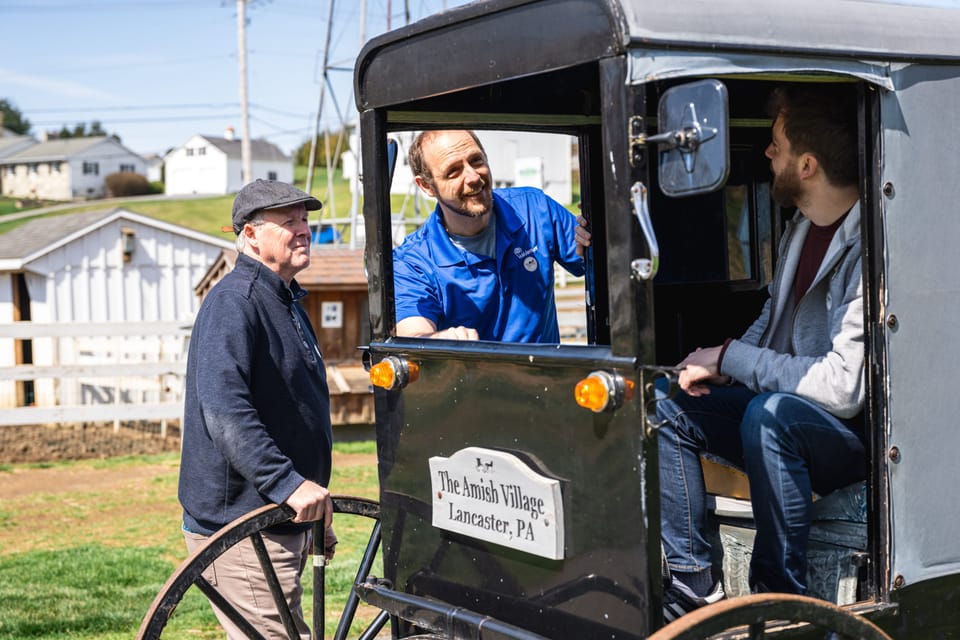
495 496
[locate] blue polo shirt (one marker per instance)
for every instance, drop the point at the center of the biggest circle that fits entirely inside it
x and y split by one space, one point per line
509 297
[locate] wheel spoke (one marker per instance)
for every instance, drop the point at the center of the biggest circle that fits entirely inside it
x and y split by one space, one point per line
231 612
279 598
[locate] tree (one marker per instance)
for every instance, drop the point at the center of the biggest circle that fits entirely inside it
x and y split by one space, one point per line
302 156
80 131
12 118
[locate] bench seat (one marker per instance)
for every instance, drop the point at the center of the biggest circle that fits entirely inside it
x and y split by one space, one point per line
838 536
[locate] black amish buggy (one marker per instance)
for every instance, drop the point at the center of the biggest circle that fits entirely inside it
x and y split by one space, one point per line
665 102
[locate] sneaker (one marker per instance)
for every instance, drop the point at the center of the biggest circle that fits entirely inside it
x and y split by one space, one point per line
678 600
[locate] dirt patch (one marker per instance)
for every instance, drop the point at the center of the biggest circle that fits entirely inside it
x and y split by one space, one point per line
52 443
47 443
22 482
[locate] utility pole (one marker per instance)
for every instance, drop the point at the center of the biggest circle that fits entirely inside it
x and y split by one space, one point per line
323 86
244 114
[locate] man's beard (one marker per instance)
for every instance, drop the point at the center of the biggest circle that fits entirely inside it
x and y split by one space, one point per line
469 208
786 188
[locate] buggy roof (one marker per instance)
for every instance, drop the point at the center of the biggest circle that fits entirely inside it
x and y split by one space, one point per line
495 40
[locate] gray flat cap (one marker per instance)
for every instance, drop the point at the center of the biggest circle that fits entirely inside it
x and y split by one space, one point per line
267 194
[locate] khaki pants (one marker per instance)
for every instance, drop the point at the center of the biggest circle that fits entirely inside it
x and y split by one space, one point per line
238 577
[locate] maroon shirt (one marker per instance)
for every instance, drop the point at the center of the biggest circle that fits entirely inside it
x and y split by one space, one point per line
814 248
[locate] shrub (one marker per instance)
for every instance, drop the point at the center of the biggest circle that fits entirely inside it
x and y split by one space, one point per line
125 183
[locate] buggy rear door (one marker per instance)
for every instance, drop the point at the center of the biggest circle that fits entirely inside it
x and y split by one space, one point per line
469 454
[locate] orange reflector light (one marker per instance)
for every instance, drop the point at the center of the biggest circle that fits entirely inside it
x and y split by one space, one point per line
383 374
592 393
393 373
603 391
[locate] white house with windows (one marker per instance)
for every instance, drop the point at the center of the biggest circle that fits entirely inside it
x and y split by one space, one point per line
66 169
212 165
11 143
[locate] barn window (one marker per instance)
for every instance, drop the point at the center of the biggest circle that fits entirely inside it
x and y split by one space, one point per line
128 243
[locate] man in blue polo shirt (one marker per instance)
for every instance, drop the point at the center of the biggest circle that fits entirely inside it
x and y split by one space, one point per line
482 266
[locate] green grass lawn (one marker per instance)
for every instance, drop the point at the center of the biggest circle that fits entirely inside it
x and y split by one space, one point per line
87 563
7 205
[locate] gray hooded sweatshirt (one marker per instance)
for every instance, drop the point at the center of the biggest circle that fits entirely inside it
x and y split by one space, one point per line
816 348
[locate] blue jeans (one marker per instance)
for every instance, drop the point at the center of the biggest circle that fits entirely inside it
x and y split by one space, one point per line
789 448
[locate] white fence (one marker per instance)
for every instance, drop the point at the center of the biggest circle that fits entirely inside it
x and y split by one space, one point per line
95 372
133 371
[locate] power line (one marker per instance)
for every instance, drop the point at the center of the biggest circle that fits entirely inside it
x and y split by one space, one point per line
136 107
299 130
161 107
279 112
114 121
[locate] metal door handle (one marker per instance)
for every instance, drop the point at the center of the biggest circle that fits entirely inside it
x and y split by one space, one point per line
644 268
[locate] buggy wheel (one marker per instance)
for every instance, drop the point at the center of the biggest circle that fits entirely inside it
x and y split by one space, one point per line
249 526
764 612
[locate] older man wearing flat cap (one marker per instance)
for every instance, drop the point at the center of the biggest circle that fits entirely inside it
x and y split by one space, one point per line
256 426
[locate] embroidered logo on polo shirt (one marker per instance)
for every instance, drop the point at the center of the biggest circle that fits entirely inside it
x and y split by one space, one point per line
529 261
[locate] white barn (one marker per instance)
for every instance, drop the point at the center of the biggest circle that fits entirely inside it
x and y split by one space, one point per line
109 290
212 165
66 169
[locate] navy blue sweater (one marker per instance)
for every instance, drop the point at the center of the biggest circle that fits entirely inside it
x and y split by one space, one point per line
256 410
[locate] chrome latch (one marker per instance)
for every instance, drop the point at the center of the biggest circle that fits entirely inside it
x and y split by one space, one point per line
644 268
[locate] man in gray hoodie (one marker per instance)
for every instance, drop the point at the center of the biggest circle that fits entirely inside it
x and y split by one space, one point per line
783 400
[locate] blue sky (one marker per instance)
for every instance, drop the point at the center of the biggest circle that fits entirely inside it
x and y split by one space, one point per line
156 72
